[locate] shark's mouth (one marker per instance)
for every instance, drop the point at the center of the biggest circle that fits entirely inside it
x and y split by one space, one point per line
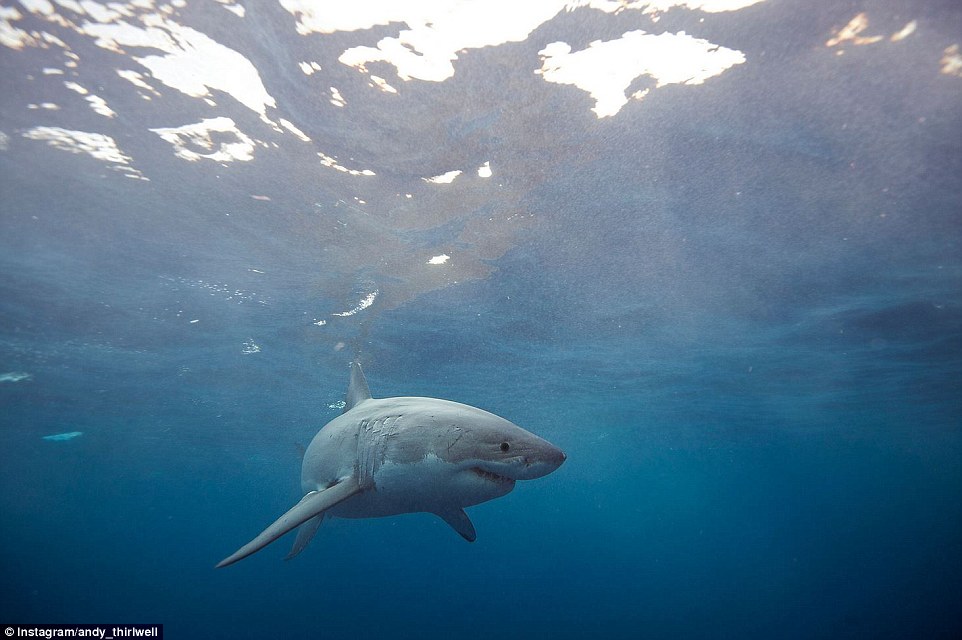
491 477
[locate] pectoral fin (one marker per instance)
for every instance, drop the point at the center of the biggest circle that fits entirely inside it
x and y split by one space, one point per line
304 535
460 522
313 504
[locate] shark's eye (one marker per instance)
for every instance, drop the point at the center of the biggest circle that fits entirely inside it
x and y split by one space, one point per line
505 446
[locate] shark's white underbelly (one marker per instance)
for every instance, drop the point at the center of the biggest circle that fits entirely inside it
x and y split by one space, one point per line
430 485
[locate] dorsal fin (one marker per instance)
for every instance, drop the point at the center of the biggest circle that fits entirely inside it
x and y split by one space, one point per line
357 390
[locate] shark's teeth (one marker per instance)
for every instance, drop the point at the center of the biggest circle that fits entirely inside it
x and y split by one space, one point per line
487 475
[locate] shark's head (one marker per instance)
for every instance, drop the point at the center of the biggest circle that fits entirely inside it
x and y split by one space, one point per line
497 450
486 454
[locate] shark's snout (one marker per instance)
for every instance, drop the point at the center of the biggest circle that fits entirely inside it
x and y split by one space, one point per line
556 458
547 459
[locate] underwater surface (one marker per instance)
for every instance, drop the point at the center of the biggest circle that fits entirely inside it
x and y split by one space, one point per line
712 250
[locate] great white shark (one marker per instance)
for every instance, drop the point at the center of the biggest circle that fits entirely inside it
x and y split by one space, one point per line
383 457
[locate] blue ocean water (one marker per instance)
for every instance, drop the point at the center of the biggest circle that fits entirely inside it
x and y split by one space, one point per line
737 306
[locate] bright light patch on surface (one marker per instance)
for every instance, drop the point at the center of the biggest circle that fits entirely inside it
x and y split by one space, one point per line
287 124
199 135
309 68
951 62
14 376
328 161
59 437
47 106
382 84
98 11
233 7
50 71
16 38
96 145
11 36
484 171
336 98
607 69
441 259
73 86
365 302
38 6
905 32
851 33
193 62
661 6
98 104
438 30
136 79
444 178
